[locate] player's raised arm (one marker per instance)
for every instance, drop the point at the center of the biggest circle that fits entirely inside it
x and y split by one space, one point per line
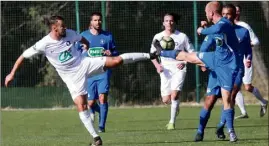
26 54
38 48
213 29
10 76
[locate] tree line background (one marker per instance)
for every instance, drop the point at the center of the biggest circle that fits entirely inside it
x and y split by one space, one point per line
133 25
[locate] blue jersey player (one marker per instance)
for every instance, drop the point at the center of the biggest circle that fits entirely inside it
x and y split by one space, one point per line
223 61
243 50
101 44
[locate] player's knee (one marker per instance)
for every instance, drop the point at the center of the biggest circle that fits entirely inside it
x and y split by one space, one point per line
209 102
117 60
90 103
103 98
166 100
249 88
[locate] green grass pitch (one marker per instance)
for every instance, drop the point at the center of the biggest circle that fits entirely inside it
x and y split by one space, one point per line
126 127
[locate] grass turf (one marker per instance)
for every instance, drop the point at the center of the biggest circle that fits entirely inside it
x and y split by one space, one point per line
130 126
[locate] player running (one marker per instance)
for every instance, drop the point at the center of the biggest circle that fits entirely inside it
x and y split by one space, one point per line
172 72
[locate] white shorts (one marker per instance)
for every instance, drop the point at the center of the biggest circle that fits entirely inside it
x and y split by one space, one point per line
77 81
248 75
172 79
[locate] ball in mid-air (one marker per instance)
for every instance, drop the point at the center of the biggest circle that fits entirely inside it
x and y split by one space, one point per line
167 43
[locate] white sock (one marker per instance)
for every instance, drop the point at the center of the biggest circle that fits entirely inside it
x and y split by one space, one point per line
134 57
258 95
86 120
174 107
239 99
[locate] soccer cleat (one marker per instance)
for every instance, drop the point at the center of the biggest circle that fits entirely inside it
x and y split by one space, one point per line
101 130
170 126
97 141
233 137
220 134
153 55
263 110
199 137
242 116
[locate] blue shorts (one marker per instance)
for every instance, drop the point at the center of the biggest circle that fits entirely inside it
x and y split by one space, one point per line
225 72
212 86
97 85
239 78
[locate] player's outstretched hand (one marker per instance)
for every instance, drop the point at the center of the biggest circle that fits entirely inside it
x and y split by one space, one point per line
9 78
159 68
199 30
203 68
248 63
180 66
203 24
107 53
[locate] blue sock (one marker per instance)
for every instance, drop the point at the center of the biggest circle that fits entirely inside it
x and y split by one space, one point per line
95 108
230 119
169 54
103 115
204 116
222 118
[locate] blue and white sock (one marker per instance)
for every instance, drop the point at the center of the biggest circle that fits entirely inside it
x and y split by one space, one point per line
229 114
204 116
222 118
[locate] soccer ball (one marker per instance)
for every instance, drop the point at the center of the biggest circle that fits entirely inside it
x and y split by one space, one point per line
167 43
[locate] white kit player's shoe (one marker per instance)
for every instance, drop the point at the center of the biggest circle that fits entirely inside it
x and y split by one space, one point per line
263 109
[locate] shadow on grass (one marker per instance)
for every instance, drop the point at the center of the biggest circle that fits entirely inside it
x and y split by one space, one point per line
240 141
180 129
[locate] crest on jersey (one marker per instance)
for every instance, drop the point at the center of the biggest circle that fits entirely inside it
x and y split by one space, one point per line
206 38
102 41
208 90
219 41
176 43
239 40
68 43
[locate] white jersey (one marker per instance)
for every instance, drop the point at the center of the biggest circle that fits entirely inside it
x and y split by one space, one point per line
254 39
62 54
181 43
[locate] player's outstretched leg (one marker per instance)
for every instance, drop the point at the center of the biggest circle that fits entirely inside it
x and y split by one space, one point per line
127 58
177 55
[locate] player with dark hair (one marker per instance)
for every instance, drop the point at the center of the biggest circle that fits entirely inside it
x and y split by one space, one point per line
74 69
172 72
102 44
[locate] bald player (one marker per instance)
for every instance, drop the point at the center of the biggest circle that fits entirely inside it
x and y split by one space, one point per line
223 61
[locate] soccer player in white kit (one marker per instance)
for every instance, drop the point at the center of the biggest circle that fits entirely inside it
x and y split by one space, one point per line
248 74
74 69
172 72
